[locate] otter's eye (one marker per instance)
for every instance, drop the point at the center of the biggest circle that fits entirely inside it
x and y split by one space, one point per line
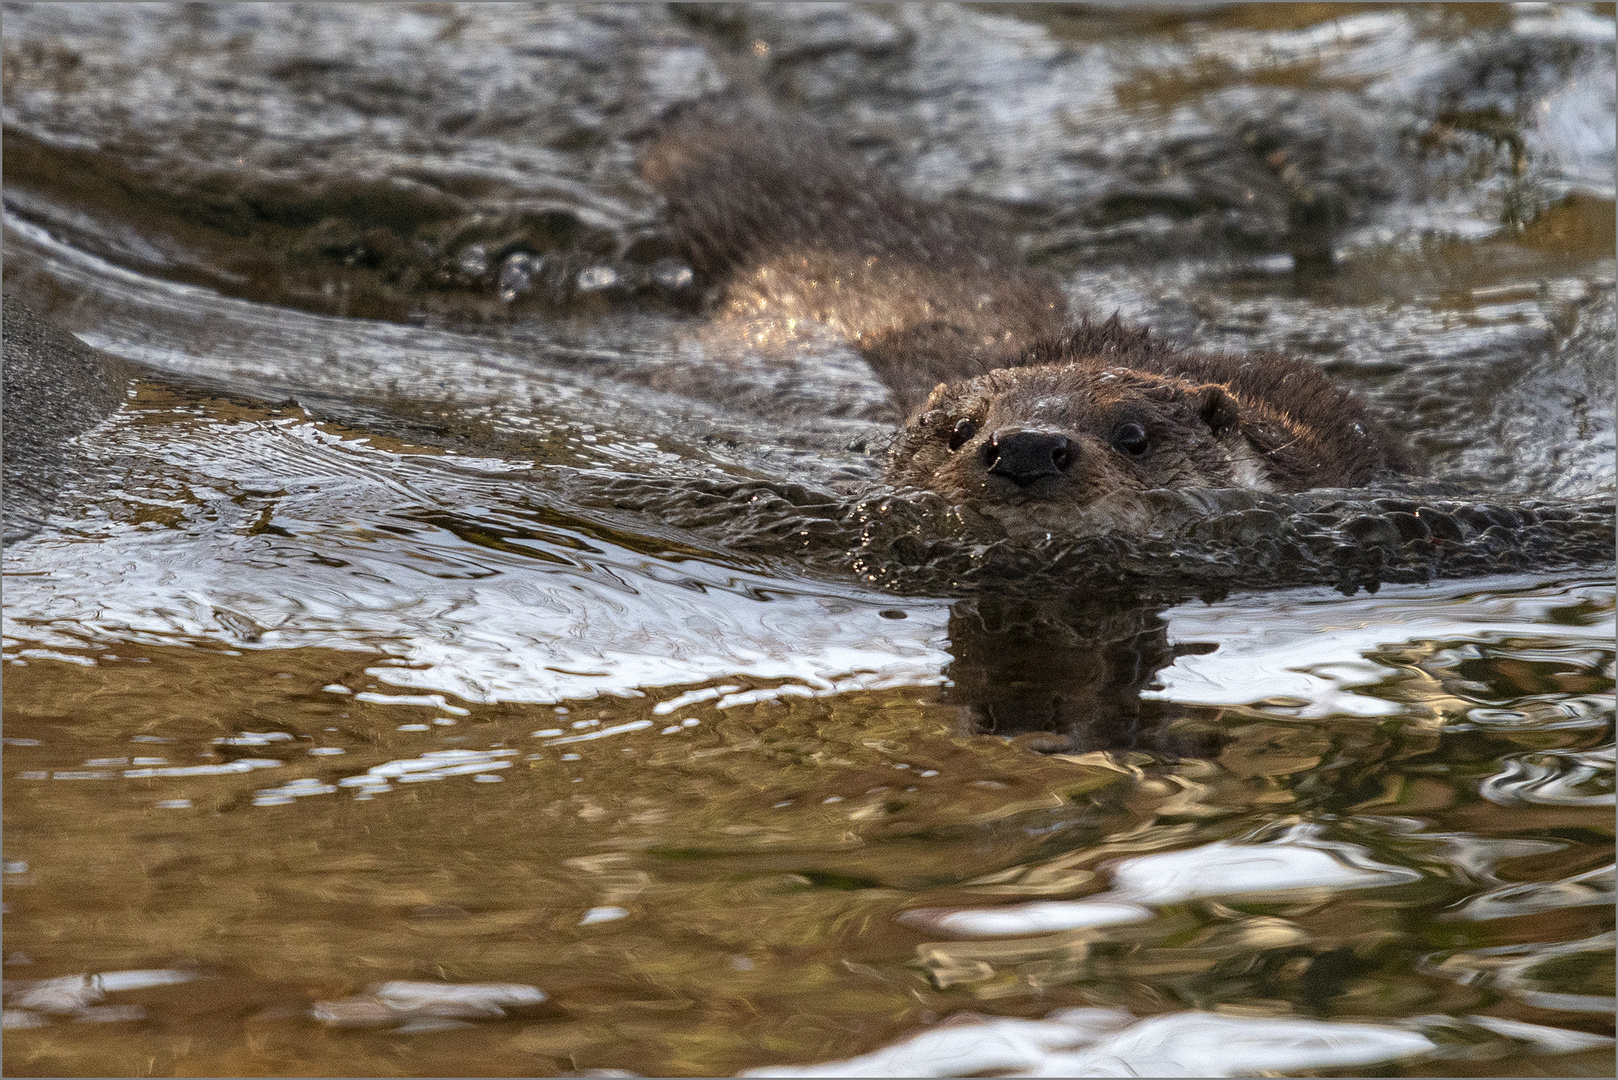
1130 438
963 431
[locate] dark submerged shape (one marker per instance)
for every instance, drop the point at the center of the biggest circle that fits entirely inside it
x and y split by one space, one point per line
1010 411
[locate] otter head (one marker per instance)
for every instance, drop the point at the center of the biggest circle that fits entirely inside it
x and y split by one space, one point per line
1070 447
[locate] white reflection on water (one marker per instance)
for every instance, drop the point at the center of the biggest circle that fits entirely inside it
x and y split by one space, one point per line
79 997
1553 778
1275 645
1546 1040
426 1006
432 701
433 765
1109 1042
1536 897
603 914
691 697
616 729
1298 860
1040 917
356 570
240 765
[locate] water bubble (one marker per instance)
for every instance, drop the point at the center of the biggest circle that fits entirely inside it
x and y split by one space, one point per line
596 279
517 274
473 260
671 275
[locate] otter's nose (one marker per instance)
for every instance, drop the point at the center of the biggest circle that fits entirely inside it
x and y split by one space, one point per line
1024 456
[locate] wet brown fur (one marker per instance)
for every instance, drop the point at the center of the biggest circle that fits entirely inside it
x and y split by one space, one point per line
1308 432
940 303
789 227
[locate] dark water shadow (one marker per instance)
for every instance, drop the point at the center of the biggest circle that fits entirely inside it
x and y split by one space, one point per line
1065 674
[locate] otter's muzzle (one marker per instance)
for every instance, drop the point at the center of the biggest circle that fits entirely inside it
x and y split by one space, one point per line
1025 456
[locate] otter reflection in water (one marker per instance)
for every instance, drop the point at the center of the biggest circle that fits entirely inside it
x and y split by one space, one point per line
1065 675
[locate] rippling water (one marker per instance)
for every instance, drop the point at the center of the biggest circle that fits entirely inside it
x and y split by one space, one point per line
457 656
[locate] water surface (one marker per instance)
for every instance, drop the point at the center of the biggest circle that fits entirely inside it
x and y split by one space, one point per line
459 656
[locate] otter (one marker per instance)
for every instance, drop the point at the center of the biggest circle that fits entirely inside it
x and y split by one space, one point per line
1008 408
1068 436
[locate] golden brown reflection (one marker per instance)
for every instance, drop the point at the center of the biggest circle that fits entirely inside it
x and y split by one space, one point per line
698 898
759 855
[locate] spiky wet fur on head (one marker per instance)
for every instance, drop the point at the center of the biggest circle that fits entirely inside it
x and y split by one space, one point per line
1122 432
1199 420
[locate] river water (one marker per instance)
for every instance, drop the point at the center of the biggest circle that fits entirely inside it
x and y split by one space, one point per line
459 655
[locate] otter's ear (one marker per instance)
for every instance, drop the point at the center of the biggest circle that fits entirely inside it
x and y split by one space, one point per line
936 398
1216 408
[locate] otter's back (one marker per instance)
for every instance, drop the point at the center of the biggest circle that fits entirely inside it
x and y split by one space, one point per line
786 225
